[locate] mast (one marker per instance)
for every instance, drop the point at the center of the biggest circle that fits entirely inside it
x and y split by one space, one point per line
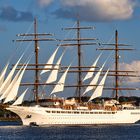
36 62
35 68
79 60
79 43
117 71
116 64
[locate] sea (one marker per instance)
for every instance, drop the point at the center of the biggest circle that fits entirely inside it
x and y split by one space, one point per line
15 131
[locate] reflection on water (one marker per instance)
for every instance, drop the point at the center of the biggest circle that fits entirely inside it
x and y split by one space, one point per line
15 131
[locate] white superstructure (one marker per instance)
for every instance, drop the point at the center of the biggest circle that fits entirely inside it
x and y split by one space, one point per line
57 116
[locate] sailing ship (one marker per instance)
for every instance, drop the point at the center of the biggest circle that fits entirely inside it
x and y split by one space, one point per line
76 110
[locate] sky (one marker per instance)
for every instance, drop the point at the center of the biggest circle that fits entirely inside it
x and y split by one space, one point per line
16 16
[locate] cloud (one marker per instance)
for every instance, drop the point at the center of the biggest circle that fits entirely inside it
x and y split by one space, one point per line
96 10
10 14
134 66
44 3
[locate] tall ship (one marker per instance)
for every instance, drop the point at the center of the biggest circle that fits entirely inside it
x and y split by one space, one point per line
86 106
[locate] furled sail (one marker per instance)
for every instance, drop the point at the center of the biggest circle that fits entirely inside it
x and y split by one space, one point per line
60 85
20 98
90 74
94 80
7 81
14 90
2 76
98 91
53 75
50 61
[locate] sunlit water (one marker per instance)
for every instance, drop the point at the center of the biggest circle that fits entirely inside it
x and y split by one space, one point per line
15 131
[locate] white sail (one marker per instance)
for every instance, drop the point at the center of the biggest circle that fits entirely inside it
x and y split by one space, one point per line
90 74
20 98
9 78
94 80
9 87
50 61
14 90
98 91
60 85
2 76
53 75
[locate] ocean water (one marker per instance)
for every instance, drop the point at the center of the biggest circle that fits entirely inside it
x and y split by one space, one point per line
15 131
